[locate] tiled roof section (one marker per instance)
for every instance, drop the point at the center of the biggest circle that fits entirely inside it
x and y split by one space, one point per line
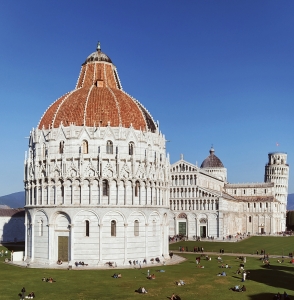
249 185
72 109
212 161
150 123
228 196
12 212
101 108
110 76
48 116
255 198
81 77
130 112
98 100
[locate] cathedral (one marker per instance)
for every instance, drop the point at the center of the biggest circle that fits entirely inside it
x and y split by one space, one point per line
204 204
100 187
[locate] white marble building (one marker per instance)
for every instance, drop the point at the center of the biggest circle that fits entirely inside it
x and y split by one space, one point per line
204 204
100 188
96 176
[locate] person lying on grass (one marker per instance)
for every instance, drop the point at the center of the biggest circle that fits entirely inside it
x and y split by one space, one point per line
180 282
236 288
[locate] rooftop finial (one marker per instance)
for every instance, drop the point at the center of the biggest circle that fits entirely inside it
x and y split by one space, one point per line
98 47
211 149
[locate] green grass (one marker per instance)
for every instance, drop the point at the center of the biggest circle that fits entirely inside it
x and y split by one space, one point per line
272 245
200 283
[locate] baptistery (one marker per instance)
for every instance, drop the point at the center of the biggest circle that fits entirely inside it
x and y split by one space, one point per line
96 176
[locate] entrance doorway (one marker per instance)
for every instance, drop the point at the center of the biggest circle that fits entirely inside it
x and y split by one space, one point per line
203 231
262 230
63 248
182 228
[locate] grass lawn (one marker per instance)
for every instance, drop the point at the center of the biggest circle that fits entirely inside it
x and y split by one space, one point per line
86 284
272 245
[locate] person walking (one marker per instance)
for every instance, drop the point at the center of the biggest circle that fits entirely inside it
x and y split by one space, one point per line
244 276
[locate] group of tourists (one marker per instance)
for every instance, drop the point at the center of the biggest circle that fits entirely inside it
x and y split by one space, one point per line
49 279
22 295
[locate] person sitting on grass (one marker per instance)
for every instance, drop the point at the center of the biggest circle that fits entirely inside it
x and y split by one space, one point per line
180 282
175 297
141 290
151 276
31 295
222 274
50 280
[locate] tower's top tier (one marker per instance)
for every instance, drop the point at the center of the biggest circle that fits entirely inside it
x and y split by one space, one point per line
277 158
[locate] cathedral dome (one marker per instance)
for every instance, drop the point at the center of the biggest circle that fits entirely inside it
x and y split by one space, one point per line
98 100
212 161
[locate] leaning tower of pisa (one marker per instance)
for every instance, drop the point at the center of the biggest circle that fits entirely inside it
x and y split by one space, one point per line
277 171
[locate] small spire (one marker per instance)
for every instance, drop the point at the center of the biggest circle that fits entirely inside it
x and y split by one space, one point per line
211 151
98 47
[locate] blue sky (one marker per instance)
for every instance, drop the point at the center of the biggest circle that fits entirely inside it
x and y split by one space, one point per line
212 72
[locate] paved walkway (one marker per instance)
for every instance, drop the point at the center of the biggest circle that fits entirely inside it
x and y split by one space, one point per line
175 260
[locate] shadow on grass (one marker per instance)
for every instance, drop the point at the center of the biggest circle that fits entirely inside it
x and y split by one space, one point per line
263 296
280 277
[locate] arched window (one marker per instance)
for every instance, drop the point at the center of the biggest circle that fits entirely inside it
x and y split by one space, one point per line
109 147
113 228
137 188
131 148
85 148
61 147
87 223
105 187
250 219
136 228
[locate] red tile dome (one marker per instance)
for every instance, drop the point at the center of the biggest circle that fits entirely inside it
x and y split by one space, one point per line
98 100
212 161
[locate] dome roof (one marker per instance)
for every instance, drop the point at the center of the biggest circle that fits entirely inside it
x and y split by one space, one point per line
212 161
98 100
98 56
